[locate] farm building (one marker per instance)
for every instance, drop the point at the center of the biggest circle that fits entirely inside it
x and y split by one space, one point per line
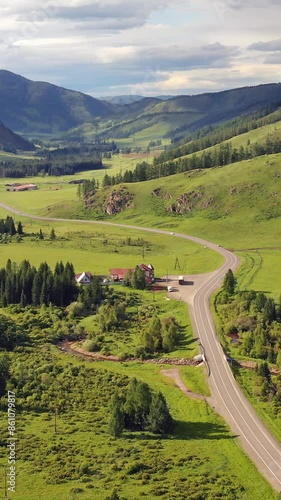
22 187
85 278
119 274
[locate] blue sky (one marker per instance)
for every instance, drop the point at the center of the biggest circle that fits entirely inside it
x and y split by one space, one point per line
113 47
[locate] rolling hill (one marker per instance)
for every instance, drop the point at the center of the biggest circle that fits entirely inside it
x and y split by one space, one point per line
9 141
38 107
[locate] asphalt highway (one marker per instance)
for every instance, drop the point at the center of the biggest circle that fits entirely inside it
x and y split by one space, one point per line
227 398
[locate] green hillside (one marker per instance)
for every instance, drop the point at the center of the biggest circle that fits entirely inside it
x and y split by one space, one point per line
237 206
10 142
38 107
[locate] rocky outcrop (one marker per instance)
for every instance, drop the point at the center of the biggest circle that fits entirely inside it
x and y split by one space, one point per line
117 201
159 193
185 203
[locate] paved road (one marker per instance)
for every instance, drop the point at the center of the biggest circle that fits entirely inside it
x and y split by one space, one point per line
228 400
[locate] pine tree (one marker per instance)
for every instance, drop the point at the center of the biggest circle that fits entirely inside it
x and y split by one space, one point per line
52 234
41 235
20 228
36 289
229 282
10 225
159 418
138 279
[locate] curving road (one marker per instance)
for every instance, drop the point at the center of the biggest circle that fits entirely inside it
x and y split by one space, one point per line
227 398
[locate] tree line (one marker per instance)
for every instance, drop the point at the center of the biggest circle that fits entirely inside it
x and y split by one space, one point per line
26 285
244 123
222 155
215 134
254 317
56 167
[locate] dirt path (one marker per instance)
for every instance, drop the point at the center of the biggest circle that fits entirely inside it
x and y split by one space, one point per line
74 348
175 375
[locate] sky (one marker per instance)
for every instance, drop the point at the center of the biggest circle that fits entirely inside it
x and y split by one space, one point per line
144 47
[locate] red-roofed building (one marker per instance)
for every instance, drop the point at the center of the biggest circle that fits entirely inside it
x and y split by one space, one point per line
118 274
148 272
85 278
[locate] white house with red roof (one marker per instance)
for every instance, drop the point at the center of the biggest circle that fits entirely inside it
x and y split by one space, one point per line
85 278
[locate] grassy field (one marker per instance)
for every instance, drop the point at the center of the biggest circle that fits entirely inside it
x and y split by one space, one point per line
98 248
202 457
14 157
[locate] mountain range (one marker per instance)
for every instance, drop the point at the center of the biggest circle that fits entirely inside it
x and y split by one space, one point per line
32 108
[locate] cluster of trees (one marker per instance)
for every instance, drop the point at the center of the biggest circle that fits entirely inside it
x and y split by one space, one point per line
7 226
81 150
25 285
160 335
135 278
61 161
55 167
139 410
87 189
254 317
266 386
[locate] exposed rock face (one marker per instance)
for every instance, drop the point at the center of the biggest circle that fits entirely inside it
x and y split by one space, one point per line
185 203
159 193
117 201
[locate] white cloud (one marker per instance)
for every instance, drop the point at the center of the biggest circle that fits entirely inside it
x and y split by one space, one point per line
105 46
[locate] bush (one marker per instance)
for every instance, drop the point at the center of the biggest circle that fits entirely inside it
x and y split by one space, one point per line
91 345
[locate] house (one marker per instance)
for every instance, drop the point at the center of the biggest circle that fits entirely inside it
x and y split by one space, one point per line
148 272
85 278
118 274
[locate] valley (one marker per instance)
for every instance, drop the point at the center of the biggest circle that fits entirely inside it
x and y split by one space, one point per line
98 221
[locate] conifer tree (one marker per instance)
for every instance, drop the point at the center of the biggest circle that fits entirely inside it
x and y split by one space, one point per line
116 418
229 282
20 228
159 418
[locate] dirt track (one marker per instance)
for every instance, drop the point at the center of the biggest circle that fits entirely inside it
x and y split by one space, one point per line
175 375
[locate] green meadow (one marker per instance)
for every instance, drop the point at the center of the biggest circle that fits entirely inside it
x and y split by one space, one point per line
98 248
202 459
